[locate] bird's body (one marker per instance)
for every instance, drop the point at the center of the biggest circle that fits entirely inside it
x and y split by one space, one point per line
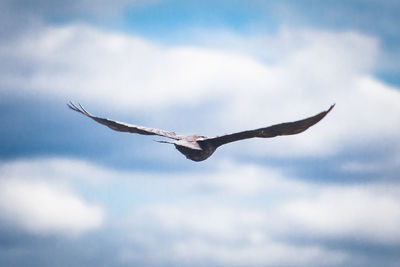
199 148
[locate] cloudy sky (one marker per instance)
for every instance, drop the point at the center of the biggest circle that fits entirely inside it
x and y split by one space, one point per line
75 193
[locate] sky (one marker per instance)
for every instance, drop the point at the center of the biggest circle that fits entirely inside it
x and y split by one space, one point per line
75 193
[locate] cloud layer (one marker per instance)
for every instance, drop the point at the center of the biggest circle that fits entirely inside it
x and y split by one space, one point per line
36 203
327 197
303 73
234 214
262 222
230 213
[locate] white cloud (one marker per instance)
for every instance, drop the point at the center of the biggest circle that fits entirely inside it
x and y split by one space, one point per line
64 170
218 234
297 74
81 62
36 203
268 253
218 220
369 213
231 214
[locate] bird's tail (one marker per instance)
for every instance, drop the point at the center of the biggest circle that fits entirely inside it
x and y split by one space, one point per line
164 142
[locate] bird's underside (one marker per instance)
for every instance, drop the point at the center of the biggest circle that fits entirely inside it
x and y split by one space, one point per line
199 148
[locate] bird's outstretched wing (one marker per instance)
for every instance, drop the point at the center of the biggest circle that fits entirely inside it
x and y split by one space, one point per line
125 127
286 128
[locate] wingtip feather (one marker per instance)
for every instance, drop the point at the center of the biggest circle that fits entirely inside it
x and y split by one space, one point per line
79 109
331 107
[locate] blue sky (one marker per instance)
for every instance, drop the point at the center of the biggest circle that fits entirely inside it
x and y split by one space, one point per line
75 193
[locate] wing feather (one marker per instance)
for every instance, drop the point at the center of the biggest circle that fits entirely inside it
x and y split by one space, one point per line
125 127
287 128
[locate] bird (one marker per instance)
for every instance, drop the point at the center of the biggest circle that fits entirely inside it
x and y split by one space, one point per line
199 148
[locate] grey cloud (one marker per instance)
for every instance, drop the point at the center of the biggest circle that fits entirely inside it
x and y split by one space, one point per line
27 250
25 16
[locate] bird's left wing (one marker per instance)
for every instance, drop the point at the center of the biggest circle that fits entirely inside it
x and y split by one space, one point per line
287 128
125 127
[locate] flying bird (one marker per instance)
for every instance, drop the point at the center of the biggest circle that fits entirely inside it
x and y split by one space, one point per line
199 148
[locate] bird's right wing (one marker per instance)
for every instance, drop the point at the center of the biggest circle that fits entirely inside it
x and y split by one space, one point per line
287 128
125 127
